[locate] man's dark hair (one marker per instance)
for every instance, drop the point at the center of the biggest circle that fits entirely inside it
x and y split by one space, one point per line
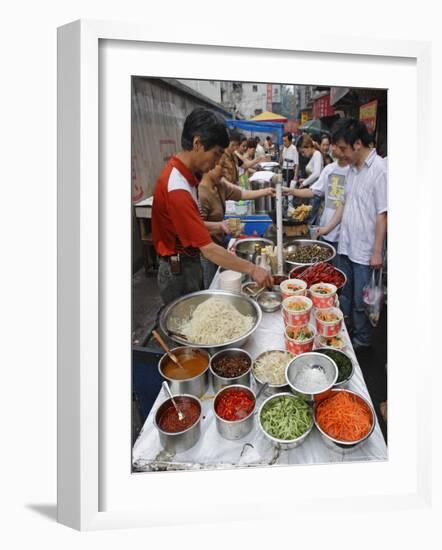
235 136
269 137
257 139
243 138
350 130
288 135
208 126
251 143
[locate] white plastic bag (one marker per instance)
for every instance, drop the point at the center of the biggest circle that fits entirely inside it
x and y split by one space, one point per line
373 297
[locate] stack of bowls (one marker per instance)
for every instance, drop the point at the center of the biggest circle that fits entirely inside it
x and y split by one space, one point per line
230 280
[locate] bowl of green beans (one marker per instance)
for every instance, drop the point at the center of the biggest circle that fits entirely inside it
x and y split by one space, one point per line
286 420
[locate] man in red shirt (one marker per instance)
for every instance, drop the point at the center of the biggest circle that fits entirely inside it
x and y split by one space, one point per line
178 231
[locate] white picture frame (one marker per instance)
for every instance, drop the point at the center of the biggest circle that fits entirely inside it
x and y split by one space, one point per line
83 298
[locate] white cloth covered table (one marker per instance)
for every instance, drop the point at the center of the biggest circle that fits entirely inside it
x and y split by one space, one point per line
213 451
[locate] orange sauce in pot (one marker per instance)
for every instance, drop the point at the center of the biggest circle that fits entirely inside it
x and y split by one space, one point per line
194 362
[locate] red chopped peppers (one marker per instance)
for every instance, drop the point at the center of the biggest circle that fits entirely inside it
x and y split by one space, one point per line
319 273
234 404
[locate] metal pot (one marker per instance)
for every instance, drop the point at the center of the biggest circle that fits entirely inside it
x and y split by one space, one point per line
219 382
271 389
263 205
179 441
234 429
198 385
248 249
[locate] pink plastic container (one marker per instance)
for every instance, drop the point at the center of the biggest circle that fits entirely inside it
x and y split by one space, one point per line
286 291
321 300
293 317
295 346
328 328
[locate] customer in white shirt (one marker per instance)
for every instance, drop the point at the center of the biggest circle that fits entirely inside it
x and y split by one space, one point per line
289 161
310 150
363 222
259 148
329 186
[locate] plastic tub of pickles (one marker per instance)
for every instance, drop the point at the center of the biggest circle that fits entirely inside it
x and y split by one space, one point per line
286 420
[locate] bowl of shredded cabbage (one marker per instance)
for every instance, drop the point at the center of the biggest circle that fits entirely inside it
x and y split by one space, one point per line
286 420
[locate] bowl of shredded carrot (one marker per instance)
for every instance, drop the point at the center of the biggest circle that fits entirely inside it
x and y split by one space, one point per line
345 419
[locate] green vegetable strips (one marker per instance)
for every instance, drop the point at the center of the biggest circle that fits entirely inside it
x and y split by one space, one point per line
286 418
343 363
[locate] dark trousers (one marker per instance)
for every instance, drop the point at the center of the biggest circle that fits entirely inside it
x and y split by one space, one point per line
172 286
350 300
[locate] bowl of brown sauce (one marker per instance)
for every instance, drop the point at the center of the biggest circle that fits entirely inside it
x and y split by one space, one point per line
192 377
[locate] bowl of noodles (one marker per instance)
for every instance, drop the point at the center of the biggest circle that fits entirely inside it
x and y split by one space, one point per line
211 319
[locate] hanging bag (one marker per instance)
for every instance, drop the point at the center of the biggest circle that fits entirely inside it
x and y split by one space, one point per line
373 297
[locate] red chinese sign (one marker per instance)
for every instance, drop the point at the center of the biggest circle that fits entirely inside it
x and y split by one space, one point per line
269 97
322 107
367 114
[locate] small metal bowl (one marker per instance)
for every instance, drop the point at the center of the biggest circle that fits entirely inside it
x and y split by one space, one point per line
342 383
250 288
219 382
311 360
271 389
178 442
277 280
283 443
266 297
234 429
336 444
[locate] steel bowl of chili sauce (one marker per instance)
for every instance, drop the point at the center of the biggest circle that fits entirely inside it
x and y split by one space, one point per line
179 435
234 407
230 366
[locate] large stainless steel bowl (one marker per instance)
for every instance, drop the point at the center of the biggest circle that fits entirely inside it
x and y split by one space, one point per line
299 243
346 445
181 309
248 249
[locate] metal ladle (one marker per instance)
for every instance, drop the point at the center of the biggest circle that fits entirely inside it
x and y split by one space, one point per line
181 416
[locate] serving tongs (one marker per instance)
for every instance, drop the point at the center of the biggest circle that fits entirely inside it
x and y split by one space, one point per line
163 344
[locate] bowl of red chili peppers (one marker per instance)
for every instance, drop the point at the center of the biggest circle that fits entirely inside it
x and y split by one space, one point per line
234 407
319 273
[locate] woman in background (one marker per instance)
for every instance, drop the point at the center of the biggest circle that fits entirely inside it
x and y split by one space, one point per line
213 192
324 146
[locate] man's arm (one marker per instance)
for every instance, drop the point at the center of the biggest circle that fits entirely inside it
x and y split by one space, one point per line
219 255
336 219
380 232
301 193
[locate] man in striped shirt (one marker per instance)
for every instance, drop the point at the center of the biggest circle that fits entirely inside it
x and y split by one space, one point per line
363 219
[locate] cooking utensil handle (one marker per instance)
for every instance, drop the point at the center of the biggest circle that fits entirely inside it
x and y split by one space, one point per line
160 341
178 410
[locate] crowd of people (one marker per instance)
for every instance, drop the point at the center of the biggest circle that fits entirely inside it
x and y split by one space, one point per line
340 174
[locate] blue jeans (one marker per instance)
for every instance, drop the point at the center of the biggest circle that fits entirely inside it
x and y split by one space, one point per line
350 300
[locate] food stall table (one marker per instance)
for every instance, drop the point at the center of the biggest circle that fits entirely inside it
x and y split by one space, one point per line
214 452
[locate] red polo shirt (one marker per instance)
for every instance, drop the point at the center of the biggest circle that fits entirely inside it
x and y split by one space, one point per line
176 221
